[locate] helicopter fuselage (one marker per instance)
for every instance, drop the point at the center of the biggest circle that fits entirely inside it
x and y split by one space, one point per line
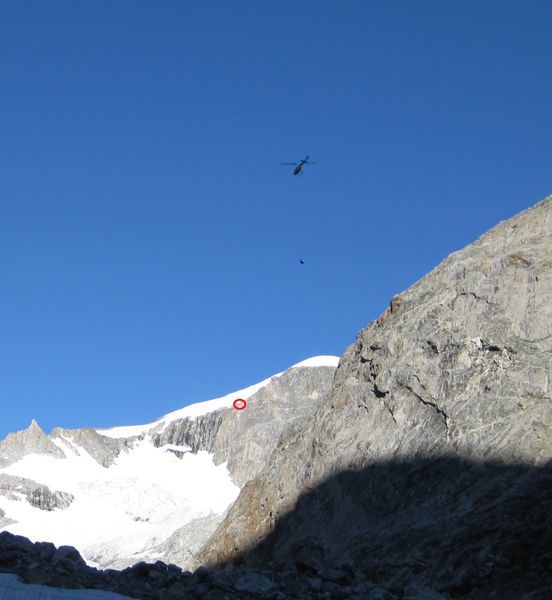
298 168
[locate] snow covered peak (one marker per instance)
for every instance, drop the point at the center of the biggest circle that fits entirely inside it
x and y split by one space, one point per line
319 361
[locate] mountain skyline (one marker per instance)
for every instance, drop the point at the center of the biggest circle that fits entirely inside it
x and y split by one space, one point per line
151 241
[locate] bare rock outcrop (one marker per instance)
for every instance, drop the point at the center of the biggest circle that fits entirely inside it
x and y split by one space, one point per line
31 440
36 494
246 439
104 450
59 444
3 519
243 440
247 443
197 434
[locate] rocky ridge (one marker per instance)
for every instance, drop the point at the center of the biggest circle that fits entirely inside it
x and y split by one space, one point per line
32 439
39 496
246 443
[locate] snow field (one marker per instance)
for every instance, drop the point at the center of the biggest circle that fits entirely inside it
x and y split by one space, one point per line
135 504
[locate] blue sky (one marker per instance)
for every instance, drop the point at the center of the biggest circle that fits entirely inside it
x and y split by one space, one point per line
150 239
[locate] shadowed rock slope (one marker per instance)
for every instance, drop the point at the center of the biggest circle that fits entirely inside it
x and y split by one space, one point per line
437 430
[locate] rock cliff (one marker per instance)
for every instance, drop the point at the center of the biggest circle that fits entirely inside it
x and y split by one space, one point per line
245 440
31 440
430 460
37 495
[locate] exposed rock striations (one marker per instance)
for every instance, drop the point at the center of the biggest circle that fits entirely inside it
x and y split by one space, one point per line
247 443
245 440
102 449
198 434
40 496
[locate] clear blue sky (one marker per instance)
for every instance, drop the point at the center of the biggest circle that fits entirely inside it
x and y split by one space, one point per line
150 238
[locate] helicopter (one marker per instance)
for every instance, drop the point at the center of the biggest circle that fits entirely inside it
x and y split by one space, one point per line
299 165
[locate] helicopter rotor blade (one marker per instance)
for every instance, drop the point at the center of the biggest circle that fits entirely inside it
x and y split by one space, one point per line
288 163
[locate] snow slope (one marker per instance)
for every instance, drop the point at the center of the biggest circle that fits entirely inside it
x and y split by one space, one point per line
122 511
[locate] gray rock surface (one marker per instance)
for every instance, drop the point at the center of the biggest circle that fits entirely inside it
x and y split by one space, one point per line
245 439
185 543
60 443
198 434
4 520
429 462
102 449
36 494
29 441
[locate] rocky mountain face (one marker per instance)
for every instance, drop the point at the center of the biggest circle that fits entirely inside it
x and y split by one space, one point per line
37 495
31 440
429 463
245 440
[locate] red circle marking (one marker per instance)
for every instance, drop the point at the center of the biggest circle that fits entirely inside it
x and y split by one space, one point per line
239 403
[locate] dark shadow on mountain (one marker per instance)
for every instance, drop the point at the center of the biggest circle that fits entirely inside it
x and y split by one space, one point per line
393 530
467 529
